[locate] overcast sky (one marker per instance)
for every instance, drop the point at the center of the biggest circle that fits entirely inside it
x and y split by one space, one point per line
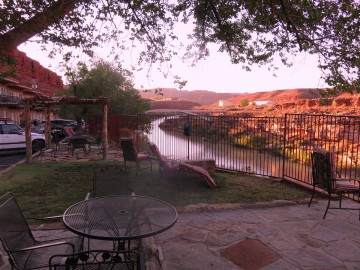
215 74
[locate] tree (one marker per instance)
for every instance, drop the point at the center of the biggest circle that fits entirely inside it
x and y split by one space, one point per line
244 102
251 32
105 80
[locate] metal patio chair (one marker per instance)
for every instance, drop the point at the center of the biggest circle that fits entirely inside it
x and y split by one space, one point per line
78 142
130 153
24 251
111 180
167 167
98 260
327 178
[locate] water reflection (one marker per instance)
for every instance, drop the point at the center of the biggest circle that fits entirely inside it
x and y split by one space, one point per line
177 146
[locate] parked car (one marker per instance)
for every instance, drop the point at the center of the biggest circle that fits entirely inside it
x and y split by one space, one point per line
61 123
38 128
12 138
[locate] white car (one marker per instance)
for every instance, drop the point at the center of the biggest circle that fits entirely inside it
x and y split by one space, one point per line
12 138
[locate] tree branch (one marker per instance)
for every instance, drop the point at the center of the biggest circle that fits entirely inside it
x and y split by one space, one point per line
291 25
221 26
36 24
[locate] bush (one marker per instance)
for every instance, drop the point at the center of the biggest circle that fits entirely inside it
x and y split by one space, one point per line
250 141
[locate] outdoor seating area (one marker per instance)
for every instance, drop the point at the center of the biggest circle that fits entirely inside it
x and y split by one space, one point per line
84 150
23 250
180 135
98 228
116 226
275 235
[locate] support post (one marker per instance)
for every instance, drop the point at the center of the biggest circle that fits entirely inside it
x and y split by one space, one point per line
48 128
28 132
105 132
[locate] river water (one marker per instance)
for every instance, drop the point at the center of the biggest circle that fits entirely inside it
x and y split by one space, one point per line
227 156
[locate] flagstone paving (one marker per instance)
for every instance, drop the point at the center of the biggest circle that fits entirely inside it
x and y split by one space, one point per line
267 236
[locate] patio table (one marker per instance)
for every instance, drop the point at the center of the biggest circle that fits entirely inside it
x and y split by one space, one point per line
120 217
80 141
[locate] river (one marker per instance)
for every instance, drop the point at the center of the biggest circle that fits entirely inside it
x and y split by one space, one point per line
227 156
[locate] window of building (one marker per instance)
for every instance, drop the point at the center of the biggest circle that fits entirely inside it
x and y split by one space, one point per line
3 91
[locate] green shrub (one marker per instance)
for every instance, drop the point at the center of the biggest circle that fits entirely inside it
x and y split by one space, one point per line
250 141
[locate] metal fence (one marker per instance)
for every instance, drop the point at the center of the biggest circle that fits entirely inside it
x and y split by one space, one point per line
10 100
339 134
267 146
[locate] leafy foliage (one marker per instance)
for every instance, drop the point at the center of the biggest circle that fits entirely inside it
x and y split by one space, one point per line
104 80
250 141
251 32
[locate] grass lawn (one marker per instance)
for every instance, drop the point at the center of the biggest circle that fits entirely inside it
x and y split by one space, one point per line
45 189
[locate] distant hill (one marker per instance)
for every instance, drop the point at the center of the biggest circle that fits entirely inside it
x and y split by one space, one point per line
280 96
302 100
203 97
171 104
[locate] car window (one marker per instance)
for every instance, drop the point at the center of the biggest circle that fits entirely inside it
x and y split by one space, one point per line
11 129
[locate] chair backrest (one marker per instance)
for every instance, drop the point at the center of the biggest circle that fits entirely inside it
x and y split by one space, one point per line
69 131
15 232
57 137
164 162
111 180
97 260
128 149
323 169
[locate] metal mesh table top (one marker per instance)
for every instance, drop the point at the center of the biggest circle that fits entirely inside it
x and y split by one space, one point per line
120 217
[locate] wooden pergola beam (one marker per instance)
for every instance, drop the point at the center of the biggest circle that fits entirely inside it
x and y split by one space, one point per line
46 101
49 102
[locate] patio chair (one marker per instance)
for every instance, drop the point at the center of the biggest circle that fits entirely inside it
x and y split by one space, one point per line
69 131
130 153
111 180
98 260
24 251
78 142
327 178
168 166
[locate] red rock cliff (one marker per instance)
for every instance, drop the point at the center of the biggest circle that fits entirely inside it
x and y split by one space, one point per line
32 74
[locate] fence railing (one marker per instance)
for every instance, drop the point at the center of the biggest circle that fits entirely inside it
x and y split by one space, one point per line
10 100
268 146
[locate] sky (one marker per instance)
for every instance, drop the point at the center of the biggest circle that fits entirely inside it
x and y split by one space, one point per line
216 73
219 75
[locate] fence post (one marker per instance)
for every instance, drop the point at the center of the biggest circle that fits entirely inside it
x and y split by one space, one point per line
285 129
188 133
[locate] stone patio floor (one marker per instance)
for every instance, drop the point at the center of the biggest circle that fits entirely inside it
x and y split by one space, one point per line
267 236
271 235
